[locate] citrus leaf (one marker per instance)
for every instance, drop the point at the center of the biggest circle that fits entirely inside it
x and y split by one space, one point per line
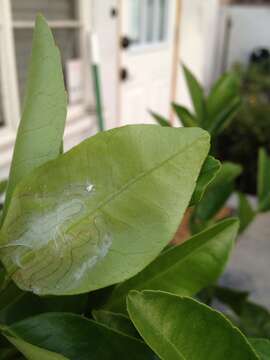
182 328
74 337
223 92
262 347
184 116
100 213
209 170
264 180
245 212
44 111
217 192
184 269
118 322
197 96
161 120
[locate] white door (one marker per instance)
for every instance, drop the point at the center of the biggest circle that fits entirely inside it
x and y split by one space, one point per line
146 49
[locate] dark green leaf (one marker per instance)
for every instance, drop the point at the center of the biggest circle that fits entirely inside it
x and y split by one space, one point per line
161 120
208 173
182 328
44 112
3 186
217 193
262 347
184 116
245 212
184 269
264 180
25 304
197 96
115 321
103 211
74 338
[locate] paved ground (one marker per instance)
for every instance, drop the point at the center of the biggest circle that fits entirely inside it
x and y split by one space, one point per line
249 268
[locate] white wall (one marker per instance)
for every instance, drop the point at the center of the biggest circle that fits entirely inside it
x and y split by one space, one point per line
198 36
250 28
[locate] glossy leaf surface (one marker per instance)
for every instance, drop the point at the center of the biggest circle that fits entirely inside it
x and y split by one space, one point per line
184 269
116 321
262 347
182 328
75 338
100 213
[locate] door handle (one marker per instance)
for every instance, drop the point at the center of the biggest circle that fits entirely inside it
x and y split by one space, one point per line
124 75
125 42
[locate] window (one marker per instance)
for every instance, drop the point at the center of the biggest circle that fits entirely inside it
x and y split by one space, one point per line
65 25
149 21
70 21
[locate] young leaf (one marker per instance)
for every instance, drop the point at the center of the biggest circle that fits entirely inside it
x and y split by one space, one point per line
182 328
197 96
217 192
245 212
224 117
44 111
118 322
100 213
264 180
160 119
3 186
75 338
208 173
262 347
184 269
184 116
223 92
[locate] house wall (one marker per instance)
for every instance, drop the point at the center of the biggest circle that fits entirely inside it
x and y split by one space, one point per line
198 37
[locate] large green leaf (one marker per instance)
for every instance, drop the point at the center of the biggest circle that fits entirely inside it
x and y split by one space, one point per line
41 128
264 180
75 338
184 116
100 213
208 173
184 269
197 96
262 347
182 328
216 194
245 212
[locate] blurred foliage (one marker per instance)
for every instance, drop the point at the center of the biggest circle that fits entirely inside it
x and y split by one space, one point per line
241 139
